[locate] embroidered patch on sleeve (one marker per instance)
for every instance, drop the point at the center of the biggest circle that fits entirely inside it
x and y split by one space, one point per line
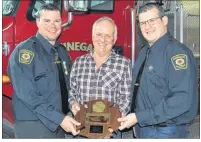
180 61
25 56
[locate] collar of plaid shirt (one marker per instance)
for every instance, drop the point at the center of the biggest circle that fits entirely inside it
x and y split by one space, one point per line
112 81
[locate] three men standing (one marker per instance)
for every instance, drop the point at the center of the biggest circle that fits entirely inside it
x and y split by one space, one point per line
164 79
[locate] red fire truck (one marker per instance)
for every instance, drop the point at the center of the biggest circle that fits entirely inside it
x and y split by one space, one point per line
18 24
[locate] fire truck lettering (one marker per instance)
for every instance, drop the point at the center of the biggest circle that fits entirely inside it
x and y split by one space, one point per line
70 46
89 48
83 46
78 46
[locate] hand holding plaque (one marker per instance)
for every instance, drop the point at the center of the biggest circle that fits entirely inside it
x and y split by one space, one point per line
97 118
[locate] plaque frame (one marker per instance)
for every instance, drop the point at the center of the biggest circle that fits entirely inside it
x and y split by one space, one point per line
100 121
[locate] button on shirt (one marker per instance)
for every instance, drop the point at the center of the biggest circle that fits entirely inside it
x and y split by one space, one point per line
36 82
168 91
112 81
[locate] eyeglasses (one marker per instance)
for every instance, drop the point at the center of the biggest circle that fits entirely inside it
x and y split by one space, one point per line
150 22
107 38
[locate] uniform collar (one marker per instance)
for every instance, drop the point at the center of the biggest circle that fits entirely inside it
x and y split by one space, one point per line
161 43
48 46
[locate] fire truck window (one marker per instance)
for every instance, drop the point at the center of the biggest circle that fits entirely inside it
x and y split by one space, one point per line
9 7
101 6
94 3
35 6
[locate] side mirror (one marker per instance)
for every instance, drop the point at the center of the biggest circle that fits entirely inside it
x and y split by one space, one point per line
73 6
86 6
76 5
99 6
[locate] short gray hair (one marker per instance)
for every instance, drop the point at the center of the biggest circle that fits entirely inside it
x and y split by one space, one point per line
105 19
150 6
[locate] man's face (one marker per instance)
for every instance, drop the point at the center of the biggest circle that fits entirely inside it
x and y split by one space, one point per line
152 26
49 25
103 38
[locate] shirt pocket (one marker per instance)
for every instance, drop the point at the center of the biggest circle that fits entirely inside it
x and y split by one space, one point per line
45 82
157 86
110 80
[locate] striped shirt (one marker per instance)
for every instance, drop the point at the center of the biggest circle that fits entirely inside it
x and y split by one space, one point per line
111 81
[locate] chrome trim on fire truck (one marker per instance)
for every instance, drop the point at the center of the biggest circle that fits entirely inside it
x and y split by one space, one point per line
5 48
69 22
6 28
133 22
181 23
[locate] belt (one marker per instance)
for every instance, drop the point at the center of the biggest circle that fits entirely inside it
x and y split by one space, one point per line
166 125
161 125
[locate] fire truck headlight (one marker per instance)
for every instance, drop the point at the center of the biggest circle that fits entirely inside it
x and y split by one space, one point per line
5 79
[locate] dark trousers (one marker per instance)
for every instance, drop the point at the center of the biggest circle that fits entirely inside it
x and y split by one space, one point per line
35 129
155 132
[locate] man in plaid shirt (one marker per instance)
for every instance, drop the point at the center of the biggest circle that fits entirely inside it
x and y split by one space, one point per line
101 74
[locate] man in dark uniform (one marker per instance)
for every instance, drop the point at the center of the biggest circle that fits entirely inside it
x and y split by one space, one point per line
35 71
165 81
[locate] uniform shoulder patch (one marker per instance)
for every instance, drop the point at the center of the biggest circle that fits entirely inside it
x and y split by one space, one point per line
25 56
180 61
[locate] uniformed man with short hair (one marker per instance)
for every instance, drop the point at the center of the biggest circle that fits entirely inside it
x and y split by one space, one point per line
39 70
165 98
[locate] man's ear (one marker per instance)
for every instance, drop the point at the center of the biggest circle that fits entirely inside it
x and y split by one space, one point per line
165 20
115 39
37 21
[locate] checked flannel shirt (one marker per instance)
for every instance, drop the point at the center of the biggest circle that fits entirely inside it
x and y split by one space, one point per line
111 81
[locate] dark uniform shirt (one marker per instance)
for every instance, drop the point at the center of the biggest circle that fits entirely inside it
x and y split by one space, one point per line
34 76
168 91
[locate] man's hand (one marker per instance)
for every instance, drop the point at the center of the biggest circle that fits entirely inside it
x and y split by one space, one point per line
69 125
75 108
127 121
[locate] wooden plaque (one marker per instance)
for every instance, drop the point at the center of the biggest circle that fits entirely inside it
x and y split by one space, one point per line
97 118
